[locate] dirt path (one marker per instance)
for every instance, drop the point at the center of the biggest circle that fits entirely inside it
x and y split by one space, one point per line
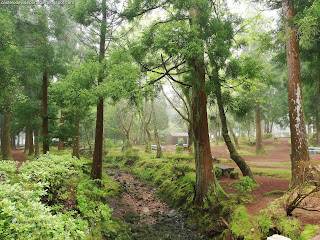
148 216
20 156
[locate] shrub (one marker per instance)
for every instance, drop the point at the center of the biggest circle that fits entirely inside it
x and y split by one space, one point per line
179 149
245 185
23 216
267 136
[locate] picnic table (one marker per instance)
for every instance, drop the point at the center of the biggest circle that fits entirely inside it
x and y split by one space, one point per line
314 150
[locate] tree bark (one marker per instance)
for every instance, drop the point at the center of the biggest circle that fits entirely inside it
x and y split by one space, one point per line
245 169
6 139
259 144
299 145
36 141
61 142
155 129
235 139
30 140
96 170
45 131
190 136
26 140
75 147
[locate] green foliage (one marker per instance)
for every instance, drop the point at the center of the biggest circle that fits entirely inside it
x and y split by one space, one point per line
218 171
309 232
92 202
24 215
243 226
243 187
267 136
179 149
7 168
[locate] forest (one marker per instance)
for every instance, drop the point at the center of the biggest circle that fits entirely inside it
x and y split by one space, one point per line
160 119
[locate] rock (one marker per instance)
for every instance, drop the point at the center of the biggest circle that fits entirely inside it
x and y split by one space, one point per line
277 237
316 237
145 210
172 213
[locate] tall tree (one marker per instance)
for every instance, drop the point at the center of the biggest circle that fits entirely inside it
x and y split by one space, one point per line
299 144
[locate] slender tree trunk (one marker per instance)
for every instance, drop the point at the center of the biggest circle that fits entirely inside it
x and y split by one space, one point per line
61 142
235 139
206 183
215 133
6 140
13 141
96 171
299 144
26 140
259 144
148 143
245 169
31 146
155 129
318 128
75 147
36 140
45 131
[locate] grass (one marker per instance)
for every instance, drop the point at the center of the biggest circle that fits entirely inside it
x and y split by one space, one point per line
246 153
272 164
275 192
276 143
272 172
269 147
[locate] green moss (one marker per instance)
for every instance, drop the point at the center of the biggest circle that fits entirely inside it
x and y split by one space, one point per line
309 232
275 192
276 143
243 226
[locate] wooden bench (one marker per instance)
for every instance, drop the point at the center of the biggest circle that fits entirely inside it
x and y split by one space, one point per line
314 150
154 147
226 170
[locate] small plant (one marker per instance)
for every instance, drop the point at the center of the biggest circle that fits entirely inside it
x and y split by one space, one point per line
245 185
179 149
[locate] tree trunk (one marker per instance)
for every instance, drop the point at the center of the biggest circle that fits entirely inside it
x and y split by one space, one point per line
190 136
75 147
45 131
259 144
61 142
26 140
155 129
31 147
148 143
245 169
206 183
299 144
215 133
37 145
96 171
13 141
6 140
318 129
205 178
235 139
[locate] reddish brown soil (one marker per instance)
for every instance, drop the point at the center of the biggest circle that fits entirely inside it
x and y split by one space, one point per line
281 153
137 198
20 156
